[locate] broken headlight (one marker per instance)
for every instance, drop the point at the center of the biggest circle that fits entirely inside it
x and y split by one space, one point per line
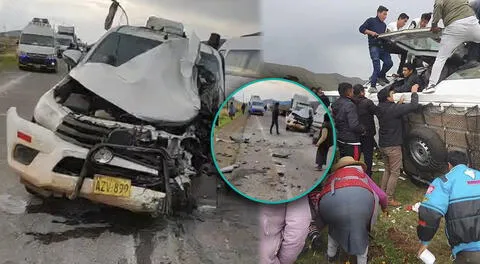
103 156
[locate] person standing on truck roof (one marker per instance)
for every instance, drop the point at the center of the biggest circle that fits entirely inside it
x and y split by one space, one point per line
461 25
373 27
390 119
421 22
398 25
275 114
349 129
366 111
455 196
284 229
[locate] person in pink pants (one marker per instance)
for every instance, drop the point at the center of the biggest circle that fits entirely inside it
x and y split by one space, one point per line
284 228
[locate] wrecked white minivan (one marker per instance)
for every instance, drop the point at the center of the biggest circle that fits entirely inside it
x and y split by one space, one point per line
124 127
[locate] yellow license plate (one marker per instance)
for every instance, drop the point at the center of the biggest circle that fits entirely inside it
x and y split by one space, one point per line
111 186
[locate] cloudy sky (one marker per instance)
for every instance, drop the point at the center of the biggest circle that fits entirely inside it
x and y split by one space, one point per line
227 17
272 89
323 36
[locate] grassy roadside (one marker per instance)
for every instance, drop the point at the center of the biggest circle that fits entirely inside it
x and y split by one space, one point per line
8 61
224 119
395 237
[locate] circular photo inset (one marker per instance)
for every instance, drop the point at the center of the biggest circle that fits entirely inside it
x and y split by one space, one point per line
273 141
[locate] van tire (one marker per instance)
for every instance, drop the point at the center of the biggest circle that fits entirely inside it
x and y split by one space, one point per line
426 149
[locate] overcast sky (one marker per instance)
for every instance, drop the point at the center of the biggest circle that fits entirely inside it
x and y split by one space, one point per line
272 89
323 36
227 17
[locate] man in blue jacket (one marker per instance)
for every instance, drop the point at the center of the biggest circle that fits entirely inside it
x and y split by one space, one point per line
373 27
455 196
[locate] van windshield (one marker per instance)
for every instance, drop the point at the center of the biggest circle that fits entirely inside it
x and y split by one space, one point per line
472 73
64 41
37 40
118 48
257 103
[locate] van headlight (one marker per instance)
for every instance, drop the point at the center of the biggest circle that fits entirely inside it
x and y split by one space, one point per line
47 112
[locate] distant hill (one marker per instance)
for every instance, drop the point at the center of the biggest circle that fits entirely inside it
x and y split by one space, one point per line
327 81
12 34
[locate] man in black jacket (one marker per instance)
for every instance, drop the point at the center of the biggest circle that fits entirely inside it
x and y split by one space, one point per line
391 136
366 111
323 97
411 78
275 114
348 127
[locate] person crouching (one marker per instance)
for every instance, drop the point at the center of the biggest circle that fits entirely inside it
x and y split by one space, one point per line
348 204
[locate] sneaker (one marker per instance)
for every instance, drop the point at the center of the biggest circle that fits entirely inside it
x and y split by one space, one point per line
430 89
331 259
372 90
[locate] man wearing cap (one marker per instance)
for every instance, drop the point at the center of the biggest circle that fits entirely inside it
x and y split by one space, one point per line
348 203
455 196
391 136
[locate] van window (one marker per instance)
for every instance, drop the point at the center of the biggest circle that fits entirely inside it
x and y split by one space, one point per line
118 48
37 40
242 62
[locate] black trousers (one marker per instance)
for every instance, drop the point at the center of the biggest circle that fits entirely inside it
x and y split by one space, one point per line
274 123
368 145
466 257
349 150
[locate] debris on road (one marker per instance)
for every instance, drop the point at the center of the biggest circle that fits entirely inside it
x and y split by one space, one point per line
281 169
229 168
402 178
280 155
240 139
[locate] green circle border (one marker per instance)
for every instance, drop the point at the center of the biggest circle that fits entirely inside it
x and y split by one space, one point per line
212 141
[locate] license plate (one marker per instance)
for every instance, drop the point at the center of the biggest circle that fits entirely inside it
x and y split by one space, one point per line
111 186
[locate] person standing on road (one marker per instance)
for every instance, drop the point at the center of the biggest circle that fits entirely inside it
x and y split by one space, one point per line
275 114
390 119
455 196
243 108
348 203
324 142
461 25
232 110
284 229
323 97
373 27
366 111
349 129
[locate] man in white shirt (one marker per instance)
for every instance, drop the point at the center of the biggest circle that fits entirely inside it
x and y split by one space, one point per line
421 22
398 25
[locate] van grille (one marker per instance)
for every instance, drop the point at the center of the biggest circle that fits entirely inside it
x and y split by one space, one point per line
81 133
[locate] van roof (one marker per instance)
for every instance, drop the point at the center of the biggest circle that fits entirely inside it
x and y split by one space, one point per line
243 43
38 30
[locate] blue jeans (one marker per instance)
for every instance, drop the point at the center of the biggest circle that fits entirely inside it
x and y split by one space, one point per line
378 54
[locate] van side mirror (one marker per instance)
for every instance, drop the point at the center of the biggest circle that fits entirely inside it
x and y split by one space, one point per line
72 57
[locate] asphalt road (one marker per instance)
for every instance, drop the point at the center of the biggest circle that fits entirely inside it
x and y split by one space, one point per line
60 231
262 174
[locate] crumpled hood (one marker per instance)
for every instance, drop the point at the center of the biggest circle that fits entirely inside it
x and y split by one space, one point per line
303 113
151 86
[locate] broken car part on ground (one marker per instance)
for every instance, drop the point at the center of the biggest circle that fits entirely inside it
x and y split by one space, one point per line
125 126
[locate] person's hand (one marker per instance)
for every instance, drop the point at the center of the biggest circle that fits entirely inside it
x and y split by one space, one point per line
385 212
415 88
374 34
402 99
435 29
395 75
420 251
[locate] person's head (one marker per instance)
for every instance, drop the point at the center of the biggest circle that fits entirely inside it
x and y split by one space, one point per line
345 90
386 95
214 41
358 90
277 103
402 20
326 119
408 69
455 158
382 13
425 19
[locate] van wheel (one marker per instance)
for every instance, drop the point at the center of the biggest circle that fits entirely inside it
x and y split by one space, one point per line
426 149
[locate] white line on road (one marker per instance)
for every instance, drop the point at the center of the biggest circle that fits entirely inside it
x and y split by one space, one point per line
10 84
288 189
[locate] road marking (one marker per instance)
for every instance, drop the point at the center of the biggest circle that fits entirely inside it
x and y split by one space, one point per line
289 190
10 84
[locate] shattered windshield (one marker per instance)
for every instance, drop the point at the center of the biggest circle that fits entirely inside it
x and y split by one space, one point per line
422 44
472 73
37 40
118 48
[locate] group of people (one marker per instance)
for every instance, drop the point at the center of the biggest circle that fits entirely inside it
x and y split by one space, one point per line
459 18
349 200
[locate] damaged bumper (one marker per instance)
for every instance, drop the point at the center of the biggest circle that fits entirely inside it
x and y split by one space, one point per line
38 155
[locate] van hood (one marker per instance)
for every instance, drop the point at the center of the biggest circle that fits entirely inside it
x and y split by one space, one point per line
158 86
36 49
